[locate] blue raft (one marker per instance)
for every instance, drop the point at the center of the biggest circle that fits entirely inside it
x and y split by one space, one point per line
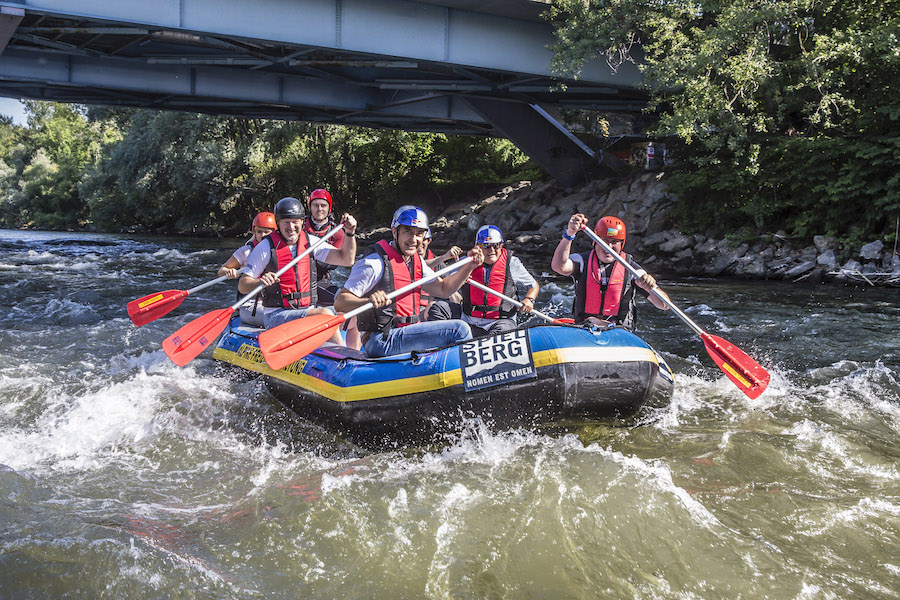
546 375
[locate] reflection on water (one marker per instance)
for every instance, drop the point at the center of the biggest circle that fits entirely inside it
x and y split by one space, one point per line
125 476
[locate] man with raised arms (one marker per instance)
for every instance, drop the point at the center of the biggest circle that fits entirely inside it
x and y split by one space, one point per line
604 289
293 295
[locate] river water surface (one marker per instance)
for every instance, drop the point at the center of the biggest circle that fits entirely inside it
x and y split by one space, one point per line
124 476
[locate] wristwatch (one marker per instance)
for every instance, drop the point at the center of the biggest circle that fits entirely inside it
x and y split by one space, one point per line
567 236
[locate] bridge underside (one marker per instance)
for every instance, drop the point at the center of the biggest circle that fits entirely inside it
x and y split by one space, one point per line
418 66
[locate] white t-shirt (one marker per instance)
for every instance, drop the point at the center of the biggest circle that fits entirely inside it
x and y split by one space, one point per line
259 258
241 255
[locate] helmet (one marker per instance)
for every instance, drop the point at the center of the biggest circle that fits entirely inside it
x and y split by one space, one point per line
610 227
323 195
264 219
428 233
410 215
489 234
289 208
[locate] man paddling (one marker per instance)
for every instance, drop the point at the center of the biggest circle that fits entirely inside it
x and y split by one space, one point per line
484 312
395 327
604 289
293 295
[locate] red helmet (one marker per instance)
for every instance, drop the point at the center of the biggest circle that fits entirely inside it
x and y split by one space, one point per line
265 219
610 227
320 194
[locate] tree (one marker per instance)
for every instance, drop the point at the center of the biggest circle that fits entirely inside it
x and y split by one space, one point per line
785 111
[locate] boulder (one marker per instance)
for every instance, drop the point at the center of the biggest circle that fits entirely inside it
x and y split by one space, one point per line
851 265
828 260
804 267
872 250
676 244
824 243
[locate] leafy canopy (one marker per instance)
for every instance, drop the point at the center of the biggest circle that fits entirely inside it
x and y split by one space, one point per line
783 112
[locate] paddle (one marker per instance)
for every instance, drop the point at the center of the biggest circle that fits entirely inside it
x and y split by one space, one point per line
293 340
189 341
747 374
516 303
153 306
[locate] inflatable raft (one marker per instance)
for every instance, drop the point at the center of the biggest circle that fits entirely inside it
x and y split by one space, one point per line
546 375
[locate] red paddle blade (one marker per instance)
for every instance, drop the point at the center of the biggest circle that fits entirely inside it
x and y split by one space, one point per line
750 377
189 341
292 341
153 306
565 321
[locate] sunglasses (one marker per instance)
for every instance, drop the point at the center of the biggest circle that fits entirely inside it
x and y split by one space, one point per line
495 245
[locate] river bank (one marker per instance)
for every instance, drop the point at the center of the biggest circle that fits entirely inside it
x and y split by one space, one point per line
533 214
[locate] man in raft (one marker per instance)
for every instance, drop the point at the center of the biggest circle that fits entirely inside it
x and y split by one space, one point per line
484 312
318 222
604 289
395 327
293 295
263 225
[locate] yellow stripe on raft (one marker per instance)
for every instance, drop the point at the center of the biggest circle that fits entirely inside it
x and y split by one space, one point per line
250 358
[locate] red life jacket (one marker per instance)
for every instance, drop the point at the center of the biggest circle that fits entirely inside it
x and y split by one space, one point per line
602 298
296 288
337 240
403 310
478 303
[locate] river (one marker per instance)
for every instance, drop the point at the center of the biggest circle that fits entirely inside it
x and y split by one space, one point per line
124 476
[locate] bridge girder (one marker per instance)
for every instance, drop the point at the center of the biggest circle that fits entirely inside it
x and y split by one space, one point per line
377 63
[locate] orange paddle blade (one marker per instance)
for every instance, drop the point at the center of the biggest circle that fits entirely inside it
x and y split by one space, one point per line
189 341
750 377
292 341
153 306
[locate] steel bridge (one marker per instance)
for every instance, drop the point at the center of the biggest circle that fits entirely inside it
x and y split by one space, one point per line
453 66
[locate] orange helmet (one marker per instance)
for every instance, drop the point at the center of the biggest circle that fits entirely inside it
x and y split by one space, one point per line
265 219
610 227
320 194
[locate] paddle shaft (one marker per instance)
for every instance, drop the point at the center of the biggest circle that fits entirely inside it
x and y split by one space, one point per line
515 302
283 269
407 288
203 286
655 290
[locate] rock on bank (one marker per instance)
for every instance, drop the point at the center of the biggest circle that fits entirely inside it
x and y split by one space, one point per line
532 216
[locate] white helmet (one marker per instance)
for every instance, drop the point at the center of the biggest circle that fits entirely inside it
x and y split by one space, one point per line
410 215
489 234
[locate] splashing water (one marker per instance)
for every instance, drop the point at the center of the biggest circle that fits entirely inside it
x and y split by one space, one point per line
125 476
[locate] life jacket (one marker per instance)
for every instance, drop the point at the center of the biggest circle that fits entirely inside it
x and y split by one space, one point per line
425 297
337 240
296 288
403 310
478 303
595 295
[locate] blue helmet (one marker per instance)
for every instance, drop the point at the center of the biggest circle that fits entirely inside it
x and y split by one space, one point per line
489 234
410 215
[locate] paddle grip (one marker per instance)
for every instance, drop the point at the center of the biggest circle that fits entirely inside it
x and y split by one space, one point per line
407 288
293 262
508 299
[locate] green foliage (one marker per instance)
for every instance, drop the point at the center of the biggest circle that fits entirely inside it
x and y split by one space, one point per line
786 110
164 171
